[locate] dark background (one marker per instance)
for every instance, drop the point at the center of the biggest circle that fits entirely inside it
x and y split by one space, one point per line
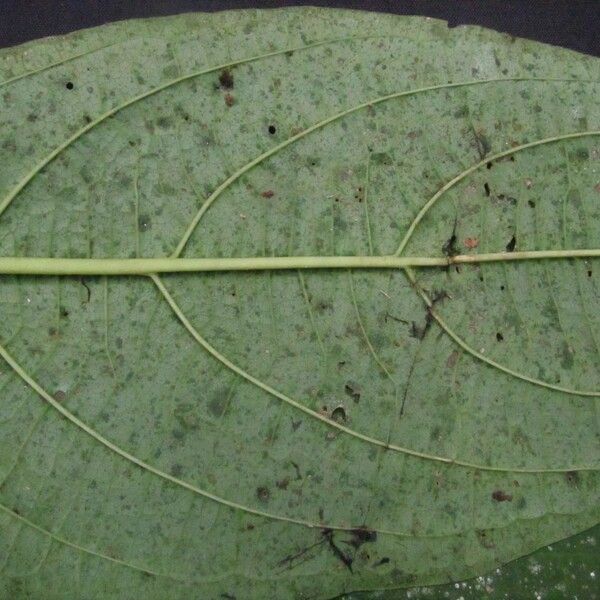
571 23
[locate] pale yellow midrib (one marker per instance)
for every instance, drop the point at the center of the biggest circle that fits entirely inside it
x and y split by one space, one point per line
146 266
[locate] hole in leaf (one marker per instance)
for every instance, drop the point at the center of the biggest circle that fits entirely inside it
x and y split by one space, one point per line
272 129
511 244
69 85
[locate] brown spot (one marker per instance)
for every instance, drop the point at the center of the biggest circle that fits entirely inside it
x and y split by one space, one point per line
59 395
226 79
452 359
471 242
500 496
263 494
229 99
268 194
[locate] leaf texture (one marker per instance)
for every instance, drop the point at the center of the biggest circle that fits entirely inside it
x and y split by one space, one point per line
303 432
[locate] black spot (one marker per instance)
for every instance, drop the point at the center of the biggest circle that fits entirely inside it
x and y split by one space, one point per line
384 561
272 129
500 496
353 390
572 478
531 203
486 187
489 165
263 494
499 337
510 247
226 79
69 85
589 273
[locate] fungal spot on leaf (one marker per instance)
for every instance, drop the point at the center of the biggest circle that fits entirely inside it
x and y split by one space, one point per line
486 188
268 194
572 478
353 390
500 496
272 129
263 494
344 558
506 198
531 203
449 247
499 337
226 79
338 414
489 165
362 535
229 100
69 85
59 395
511 244
589 273
144 223
282 484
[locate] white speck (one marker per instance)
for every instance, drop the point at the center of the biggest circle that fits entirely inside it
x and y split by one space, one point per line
457 585
550 548
535 568
482 350
28 300
593 574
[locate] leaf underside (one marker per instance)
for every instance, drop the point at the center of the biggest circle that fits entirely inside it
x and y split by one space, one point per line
295 433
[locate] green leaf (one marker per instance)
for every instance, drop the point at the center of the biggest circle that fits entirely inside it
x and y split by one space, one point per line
294 303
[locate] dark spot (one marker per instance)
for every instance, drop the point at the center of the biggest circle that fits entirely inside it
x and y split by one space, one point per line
337 551
59 395
502 287
218 405
87 119
338 414
296 424
489 165
384 561
69 85
511 244
500 496
362 535
482 144
353 390
263 494
268 194
449 247
486 187
499 337
16 511
144 223
176 470
272 129
589 273
572 478
226 79
483 539
283 483
531 203
87 289
229 100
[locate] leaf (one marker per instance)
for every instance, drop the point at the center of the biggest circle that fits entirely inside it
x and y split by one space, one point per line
321 387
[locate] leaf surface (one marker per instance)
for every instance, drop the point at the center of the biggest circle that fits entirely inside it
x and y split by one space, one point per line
301 431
